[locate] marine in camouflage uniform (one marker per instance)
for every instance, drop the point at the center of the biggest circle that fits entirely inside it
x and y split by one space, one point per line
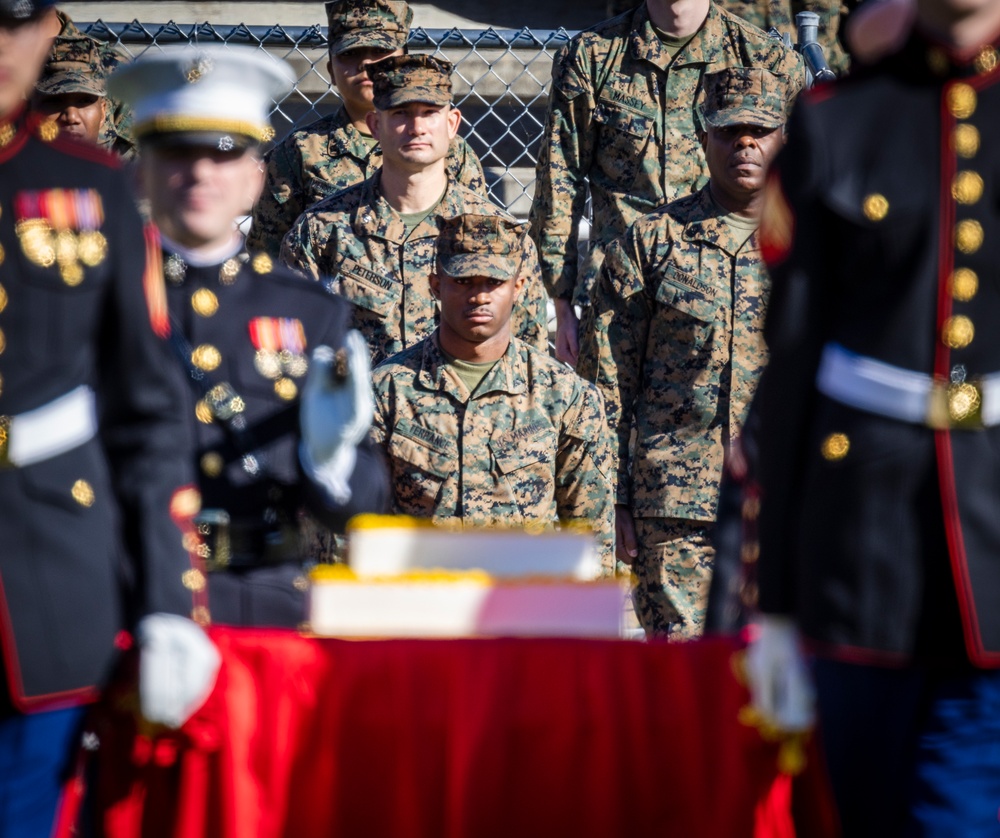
479 426
623 118
116 134
675 347
72 90
334 152
362 249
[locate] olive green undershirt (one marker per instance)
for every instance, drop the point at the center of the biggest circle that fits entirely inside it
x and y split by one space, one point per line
672 45
411 220
741 227
472 375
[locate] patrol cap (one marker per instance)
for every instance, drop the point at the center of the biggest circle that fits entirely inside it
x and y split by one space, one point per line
480 245
379 24
18 11
202 95
74 66
744 96
401 79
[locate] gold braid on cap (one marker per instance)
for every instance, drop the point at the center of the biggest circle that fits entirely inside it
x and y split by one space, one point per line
186 124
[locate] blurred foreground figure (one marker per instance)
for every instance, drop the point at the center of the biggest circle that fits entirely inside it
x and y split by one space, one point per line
879 440
93 447
243 332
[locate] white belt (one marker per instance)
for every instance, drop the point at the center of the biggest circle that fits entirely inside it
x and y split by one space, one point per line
47 431
908 396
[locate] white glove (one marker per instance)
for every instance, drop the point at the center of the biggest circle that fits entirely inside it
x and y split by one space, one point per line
178 665
781 688
335 414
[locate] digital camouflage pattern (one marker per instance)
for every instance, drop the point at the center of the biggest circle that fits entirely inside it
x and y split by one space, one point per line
323 158
401 79
676 348
529 446
673 341
623 116
357 245
673 574
378 24
780 14
480 245
744 96
73 66
116 133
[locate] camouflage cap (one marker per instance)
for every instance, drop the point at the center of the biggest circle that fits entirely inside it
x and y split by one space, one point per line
16 11
480 245
74 66
745 96
379 24
401 79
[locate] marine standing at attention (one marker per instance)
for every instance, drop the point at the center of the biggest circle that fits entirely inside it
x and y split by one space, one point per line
95 479
338 151
480 426
375 242
675 345
623 122
243 331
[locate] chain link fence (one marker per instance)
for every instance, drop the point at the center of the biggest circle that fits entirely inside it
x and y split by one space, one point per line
501 83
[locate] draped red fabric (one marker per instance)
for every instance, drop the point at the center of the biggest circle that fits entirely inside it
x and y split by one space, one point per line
455 739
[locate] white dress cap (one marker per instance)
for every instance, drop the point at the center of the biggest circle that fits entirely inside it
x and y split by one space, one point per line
208 89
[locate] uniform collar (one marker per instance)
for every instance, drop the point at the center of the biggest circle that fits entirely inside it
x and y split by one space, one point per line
375 217
708 225
344 140
703 48
507 376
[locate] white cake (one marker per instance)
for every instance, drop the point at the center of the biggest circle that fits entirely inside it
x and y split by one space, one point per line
409 578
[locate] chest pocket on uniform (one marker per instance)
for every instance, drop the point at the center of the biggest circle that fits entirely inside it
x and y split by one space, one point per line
528 467
623 136
376 294
420 465
689 304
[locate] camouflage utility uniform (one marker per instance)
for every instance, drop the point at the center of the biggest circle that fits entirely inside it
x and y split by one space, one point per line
317 161
116 133
676 350
780 14
622 115
357 245
529 445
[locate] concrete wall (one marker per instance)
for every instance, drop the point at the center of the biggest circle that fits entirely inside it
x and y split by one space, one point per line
478 14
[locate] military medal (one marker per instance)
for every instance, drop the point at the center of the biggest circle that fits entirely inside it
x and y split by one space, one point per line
280 343
61 226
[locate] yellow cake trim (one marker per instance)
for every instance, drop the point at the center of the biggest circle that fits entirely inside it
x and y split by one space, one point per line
371 521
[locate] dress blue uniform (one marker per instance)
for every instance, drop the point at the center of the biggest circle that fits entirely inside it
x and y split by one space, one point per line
93 450
879 439
243 332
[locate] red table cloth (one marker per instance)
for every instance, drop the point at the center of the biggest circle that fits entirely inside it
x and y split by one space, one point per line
456 739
